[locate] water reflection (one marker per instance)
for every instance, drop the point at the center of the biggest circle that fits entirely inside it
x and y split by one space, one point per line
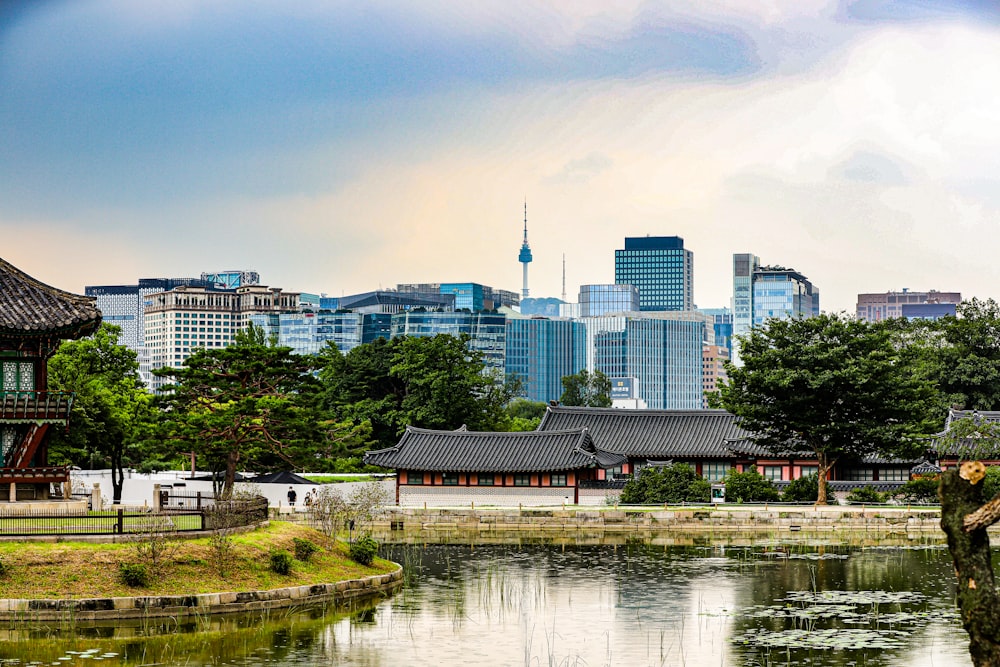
631 603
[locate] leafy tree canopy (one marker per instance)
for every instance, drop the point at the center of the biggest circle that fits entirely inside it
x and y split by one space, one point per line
245 404
430 382
830 385
586 389
111 408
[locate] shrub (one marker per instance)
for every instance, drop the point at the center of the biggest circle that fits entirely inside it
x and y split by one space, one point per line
866 494
4 570
304 549
803 489
922 489
135 575
363 550
281 562
991 483
749 487
671 484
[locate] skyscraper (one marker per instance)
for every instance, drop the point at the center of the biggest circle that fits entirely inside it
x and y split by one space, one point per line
660 268
525 257
540 352
761 293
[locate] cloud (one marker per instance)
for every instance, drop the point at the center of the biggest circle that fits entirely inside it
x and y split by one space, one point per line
870 167
582 170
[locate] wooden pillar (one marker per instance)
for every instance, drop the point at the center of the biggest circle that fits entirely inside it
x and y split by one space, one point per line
13 492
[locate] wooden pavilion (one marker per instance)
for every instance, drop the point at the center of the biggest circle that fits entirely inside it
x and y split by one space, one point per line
34 320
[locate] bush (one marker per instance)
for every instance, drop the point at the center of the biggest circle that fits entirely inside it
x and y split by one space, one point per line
281 562
922 489
363 550
304 549
135 575
803 489
866 494
991 483
672 484
749 487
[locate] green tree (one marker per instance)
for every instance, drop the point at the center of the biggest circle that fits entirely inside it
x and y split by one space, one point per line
968 355
749 487
430 382
243 404
830 385
586 389
111 409
676 483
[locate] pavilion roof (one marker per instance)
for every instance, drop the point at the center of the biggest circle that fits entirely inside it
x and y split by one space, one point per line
29 307
655 434
503 452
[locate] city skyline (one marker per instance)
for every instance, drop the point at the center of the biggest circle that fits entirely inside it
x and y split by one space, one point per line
337 148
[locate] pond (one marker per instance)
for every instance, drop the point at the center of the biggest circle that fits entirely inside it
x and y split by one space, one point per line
568 605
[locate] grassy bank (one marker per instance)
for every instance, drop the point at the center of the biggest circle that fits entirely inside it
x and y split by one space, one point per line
68 570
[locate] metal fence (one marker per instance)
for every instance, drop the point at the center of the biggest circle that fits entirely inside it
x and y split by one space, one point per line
211 515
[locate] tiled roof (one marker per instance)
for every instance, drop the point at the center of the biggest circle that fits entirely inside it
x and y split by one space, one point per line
979 415
472 451
32 308
654 434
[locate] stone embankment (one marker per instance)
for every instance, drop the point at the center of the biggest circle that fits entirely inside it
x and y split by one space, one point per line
735 518
184 606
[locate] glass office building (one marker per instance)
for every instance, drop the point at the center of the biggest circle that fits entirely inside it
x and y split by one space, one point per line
761 293
663 353
660 268
487 331
597 300
541 352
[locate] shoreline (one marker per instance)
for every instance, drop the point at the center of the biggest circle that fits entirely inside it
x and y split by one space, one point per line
182 607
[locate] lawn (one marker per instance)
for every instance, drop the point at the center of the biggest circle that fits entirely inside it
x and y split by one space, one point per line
80 570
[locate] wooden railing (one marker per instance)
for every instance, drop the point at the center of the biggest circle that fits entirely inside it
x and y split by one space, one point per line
43 475
35 405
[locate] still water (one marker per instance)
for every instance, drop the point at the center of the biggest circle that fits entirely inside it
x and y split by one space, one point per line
549 605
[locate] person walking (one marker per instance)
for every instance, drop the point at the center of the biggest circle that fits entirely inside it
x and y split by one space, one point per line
291 496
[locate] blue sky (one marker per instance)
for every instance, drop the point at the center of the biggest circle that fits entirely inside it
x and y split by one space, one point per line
337 147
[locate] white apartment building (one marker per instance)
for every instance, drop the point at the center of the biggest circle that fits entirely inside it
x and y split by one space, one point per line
185 319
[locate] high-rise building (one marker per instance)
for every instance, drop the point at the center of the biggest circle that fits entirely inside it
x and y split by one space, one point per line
597 300
468 296
487 331
761 293
184 319
663 351
924 305
723 325
123 306
660 268
541 352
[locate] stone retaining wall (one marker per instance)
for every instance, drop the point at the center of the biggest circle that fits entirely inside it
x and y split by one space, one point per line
722 519
183 606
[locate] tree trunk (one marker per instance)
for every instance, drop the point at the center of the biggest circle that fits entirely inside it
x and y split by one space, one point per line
970 550
822 470
117 474
232 459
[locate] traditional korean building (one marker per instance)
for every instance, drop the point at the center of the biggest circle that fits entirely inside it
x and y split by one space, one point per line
462 467
34 319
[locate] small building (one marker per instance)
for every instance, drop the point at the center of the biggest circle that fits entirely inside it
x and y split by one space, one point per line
34 320
503 468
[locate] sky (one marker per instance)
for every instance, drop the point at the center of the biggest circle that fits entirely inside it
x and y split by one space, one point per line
339 147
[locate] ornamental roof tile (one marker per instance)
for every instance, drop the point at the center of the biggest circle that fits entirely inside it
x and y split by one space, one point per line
655 434
503 452
29 307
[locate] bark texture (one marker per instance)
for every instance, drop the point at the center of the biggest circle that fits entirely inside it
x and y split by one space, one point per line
978 601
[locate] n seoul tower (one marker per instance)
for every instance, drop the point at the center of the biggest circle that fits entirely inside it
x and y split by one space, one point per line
525 256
